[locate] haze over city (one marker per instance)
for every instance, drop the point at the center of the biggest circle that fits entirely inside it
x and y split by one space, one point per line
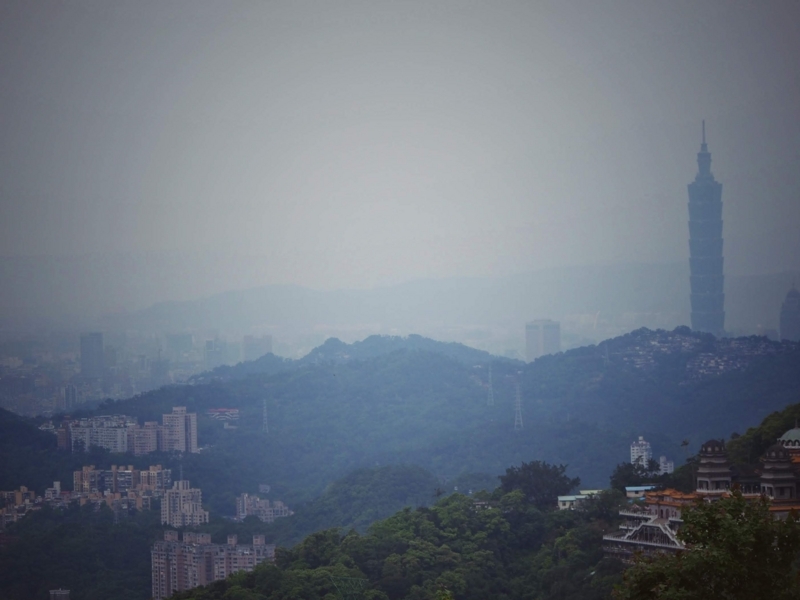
399 300
169 151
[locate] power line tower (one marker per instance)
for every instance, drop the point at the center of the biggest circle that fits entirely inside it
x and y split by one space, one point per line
518 410
490 399
265 423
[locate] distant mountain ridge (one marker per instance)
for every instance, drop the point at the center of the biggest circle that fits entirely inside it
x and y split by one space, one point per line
336 351
648 289
389 401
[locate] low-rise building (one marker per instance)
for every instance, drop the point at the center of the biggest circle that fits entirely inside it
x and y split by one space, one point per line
250 505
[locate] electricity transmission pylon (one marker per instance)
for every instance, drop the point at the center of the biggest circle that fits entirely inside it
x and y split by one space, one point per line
490 398
518 411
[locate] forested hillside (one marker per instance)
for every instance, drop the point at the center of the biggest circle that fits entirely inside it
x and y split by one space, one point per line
501 546
364 405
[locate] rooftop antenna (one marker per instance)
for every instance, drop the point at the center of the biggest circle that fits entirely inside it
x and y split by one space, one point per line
518 410
490 399
704 132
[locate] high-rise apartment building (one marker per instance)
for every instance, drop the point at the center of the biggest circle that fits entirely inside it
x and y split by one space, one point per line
143 440
180 431
194 561
705 247
542 337
790 316
92 359
155 479
641 452
182 506
665 467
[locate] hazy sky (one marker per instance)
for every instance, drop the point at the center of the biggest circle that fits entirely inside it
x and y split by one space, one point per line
358 143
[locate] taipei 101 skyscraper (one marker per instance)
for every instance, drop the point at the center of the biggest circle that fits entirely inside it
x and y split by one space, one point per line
705 247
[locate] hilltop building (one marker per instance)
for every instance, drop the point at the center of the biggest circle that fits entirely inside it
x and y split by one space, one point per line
542 337
194 561
248 505
641 452
705 247
182 506
790 317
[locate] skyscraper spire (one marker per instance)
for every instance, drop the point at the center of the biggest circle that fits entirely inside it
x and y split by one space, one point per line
705 246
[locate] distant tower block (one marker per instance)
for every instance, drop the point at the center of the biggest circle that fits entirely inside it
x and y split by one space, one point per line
518 411
705 247
490 398
542 337
265 423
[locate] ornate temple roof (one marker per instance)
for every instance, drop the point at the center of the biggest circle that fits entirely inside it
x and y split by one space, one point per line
791 437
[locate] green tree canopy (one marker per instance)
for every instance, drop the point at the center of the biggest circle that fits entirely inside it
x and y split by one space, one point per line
541 483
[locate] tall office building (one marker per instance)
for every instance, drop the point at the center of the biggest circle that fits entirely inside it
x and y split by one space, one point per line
542 337
705 247
790 316
182 506
180 431
92 359
70 397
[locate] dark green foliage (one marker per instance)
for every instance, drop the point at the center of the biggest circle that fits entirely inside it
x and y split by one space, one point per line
736 550
82 550
358 500
506 549
746 449
540 483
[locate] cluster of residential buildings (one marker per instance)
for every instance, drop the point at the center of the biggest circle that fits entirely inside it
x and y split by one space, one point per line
194 560
177 432
120 488
653 528
249 505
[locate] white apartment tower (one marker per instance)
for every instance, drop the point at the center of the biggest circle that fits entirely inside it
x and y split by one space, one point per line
180 430
641 452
